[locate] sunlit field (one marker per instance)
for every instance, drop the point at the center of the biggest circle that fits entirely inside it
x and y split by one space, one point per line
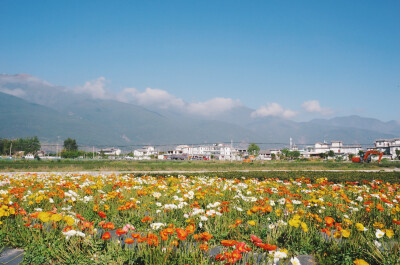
126 219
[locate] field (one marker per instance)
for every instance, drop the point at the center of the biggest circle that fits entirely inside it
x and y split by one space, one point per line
157 165
210 218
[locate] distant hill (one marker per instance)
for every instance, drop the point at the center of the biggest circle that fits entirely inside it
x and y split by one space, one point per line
103 122
19 118
354 121
42 109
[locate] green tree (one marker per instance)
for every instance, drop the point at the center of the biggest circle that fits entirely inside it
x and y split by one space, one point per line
294 154
32 145
70 145
285 153
253 149
331 153
398 153
322 155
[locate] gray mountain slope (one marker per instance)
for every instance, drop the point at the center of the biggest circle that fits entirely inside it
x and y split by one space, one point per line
62 112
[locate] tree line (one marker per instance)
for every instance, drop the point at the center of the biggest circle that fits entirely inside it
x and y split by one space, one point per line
31 145
28 145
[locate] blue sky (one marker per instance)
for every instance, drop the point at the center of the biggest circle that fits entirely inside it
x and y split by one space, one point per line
342 57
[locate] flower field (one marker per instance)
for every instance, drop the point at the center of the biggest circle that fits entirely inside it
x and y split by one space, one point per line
126 219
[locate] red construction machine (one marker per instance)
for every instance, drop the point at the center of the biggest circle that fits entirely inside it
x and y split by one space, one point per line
367 157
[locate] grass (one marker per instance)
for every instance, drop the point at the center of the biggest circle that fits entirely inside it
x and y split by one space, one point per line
157 165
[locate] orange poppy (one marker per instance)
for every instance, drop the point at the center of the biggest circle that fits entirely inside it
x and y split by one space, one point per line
129 241
326 230
228 243
205 236
152 239
142 239
106 235
190 228
120 232
109 226
182 234
136 235
169 230
164 235
204 247
329 221
147 218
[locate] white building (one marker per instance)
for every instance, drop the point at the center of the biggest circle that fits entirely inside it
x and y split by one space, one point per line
217 151
264 155
321 147
145 151
388 146
110 151
336 146
339 148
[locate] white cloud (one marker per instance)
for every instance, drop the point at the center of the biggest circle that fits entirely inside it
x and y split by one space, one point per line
213 106
273 109
14 92
161 99
314 107
22 79
95 88
151 98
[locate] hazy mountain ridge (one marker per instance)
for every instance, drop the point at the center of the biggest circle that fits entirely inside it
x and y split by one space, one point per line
36 107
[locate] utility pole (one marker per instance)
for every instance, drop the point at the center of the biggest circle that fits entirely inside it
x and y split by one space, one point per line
231 153
93 153
57 144
10 148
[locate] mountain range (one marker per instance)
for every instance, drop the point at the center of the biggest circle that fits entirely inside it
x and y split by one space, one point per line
30 106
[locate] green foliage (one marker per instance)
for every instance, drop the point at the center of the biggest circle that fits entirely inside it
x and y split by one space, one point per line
331 153
253 149
70 145
290 155
71 154
28 145
398 153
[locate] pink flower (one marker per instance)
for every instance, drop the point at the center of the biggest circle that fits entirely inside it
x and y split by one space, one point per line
128 227
255 239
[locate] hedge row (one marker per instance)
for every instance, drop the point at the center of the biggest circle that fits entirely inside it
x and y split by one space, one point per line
336 177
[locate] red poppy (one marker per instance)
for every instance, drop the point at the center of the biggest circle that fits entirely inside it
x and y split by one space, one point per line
102 214
265 246
220 257
241 247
